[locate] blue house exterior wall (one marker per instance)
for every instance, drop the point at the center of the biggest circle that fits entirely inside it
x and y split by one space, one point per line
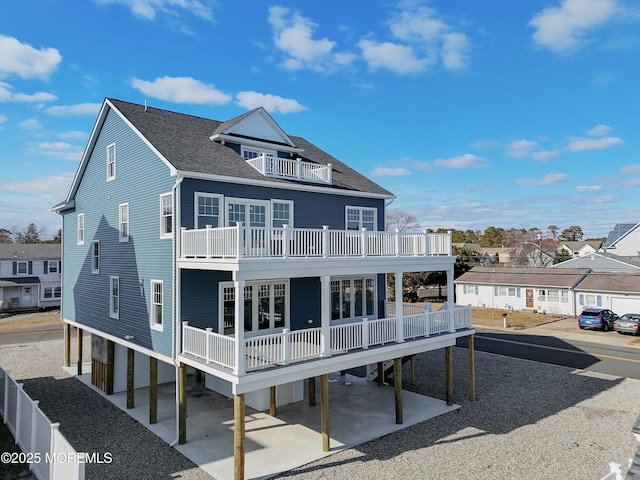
144 257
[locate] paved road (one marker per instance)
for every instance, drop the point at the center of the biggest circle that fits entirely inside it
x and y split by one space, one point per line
33 334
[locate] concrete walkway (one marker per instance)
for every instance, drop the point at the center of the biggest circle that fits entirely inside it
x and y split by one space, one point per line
360 411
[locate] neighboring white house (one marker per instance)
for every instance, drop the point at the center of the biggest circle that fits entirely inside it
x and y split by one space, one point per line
580 249
617 292
543 290
623 240
29 276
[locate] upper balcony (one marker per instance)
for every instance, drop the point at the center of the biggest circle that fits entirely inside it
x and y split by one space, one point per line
240 242
272 166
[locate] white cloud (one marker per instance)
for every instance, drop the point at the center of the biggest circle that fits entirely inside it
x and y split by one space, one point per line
600 130
272 103
468 160
62 150
605 199
389 172
7 95
3 118
630 169
563 28
587 144
181 90
421 39
544 155
30 124
149 8
73 135
589 188
47 188
79 109
293 35
23 60
548 179
520 148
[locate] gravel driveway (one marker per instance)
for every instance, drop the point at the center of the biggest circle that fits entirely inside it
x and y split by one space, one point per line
530 421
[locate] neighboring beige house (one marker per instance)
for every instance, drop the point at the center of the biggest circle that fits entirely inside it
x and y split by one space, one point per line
580 249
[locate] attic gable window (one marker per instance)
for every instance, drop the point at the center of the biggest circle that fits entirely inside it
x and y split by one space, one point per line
111 162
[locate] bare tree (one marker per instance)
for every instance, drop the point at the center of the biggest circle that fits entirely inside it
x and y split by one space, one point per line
401 219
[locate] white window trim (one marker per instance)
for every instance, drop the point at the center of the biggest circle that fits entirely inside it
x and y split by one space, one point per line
26 267
163 233
247 202
44 293
52 262
288 202
109 176
93 256
256 287
153 305
121 237
221 207
112 312
80 229
361 209
259 151
352 300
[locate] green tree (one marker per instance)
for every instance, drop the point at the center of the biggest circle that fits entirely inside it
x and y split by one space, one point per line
561 256
553 230
492 237
571 234
30 235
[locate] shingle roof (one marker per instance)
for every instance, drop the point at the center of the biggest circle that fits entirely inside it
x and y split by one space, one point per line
575 246
30 251
530 277
184 141
611 282
618 231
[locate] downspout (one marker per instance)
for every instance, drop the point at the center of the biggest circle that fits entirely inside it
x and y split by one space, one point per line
176 293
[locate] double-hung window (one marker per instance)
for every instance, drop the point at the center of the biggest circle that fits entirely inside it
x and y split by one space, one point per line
166 215
80 236
111 162
361 217
47 293
281 213
157 304
123 222
95 256
207 209
22 268
114 297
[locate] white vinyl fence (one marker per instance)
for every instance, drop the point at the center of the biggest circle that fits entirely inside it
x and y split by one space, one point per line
47 452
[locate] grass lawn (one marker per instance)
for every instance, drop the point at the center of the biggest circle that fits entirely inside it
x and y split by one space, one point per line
492 317
50 317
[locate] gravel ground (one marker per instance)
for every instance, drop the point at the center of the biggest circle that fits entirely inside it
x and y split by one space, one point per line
530 421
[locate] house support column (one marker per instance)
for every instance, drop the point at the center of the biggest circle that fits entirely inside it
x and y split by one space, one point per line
324 411
238 436
79 338
182 404
380 374
111 352
399 309
130 376
472 369
448 354
239 327
153 390
67 345
312 391
325 315
450 289
397 387
272 401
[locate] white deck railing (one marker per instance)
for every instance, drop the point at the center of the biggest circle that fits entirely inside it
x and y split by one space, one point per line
301 345
272 166
268 242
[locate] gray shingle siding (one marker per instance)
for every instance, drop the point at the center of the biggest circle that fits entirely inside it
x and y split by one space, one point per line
137 262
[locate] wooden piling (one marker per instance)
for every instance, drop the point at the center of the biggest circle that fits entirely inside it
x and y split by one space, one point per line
397 388
312 391
380 374
472 369
272 401
238 436
324 411
153 390
67 345
130 377
79 338
182 404
449 374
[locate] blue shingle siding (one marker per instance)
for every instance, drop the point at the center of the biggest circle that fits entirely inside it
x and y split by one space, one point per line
137 262
305 208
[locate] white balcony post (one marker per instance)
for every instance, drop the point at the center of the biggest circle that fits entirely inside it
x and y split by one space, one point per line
183 231
325 315
298 167
207 337
449 243
398 244
286 345
365 333
399 309
449 304
428 316
208 240
240 240
184 327
329 173
426 243
365 243
286 239
325 241
239 328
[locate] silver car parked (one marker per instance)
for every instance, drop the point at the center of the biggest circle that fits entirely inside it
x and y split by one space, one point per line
628 323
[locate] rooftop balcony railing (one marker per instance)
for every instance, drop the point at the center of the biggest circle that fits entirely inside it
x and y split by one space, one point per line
280 349
266 242
272 166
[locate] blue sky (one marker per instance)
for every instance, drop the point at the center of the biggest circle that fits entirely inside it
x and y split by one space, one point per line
503 113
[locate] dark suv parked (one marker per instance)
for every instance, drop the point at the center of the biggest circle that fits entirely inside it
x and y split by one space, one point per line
599 318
